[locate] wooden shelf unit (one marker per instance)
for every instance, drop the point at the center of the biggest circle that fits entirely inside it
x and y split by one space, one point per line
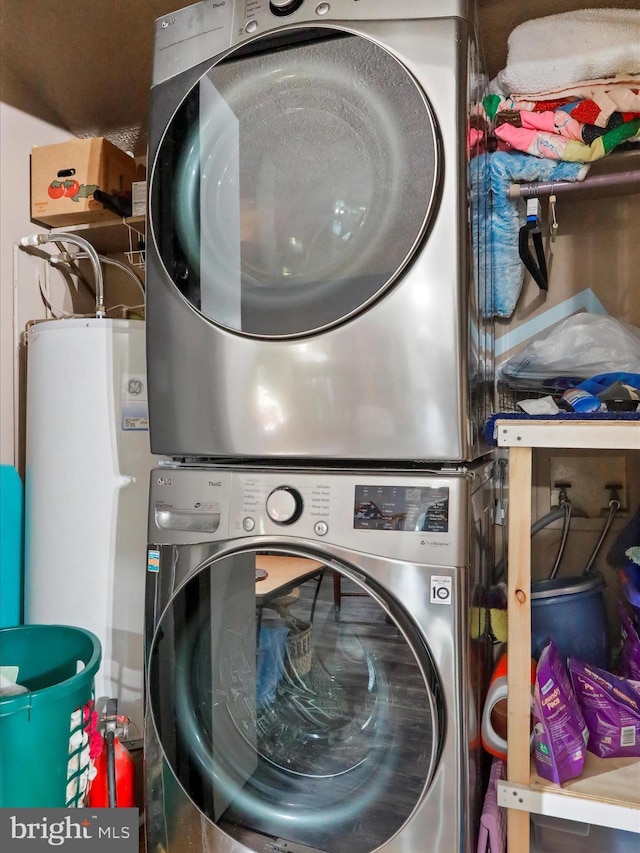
608 792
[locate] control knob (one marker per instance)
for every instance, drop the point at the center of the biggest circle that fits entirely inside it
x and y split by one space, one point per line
285 7
284 505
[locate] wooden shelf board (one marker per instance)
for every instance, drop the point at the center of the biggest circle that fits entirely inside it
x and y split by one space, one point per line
594 434
609 780
607 794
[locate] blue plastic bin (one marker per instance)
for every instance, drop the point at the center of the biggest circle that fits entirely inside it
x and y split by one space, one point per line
571 611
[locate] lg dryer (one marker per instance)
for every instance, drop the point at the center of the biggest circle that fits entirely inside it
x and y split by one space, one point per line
314 272
313 673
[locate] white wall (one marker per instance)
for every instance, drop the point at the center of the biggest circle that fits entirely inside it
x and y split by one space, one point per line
20 301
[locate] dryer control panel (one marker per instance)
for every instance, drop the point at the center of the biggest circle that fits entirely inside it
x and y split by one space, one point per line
418 517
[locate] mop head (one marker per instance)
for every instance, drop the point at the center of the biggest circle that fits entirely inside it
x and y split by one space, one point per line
498 612
499 624
492 617
478 622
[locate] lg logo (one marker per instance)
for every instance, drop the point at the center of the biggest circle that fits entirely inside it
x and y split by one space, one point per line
164 481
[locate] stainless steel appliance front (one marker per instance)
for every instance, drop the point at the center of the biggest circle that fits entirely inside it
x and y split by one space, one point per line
313 677
314 282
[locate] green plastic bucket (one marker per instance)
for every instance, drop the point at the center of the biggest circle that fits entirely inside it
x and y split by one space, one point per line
57 664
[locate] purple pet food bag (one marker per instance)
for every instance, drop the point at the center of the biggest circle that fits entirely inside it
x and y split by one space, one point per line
559 730
611 708
630 648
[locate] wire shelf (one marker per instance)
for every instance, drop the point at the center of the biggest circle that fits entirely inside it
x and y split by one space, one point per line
137 253
510 392
137 258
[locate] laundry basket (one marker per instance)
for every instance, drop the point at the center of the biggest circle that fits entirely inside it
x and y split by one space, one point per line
299 646
42 731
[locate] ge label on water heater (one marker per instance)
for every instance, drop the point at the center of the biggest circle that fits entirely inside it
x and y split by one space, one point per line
440 590
133 402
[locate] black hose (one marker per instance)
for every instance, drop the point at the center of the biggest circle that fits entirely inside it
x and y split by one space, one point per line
556 512
563 540
614 506
111 770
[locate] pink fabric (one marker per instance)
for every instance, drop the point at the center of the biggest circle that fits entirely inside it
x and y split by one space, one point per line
492 837
538 143
552 122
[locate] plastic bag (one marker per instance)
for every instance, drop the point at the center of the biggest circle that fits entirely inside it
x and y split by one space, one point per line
559 730
630 646
582 346
611 707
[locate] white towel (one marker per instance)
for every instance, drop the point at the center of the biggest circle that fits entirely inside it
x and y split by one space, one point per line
10 688
560 50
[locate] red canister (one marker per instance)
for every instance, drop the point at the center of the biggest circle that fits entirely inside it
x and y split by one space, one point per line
116 761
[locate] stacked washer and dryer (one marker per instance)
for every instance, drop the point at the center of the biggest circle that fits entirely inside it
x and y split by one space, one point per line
319 369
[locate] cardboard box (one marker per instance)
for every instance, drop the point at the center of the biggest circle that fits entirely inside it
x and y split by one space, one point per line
65 176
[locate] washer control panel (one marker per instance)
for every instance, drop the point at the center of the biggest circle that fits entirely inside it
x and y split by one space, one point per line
417 517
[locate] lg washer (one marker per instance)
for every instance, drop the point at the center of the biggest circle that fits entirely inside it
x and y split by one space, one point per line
313 674
316 284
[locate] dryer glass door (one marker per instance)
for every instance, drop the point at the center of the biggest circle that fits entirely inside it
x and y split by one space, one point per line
293 185
285 717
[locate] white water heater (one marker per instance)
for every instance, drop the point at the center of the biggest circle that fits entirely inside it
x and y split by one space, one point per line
86 490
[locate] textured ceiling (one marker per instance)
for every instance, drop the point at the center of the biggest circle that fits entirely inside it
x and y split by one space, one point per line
88 62
85 65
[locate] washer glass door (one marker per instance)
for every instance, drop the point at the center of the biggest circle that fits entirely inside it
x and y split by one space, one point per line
288 712
293 185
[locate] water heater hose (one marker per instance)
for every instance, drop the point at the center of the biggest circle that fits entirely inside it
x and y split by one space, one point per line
64 237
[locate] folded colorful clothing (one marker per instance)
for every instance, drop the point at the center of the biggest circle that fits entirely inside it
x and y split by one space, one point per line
613 93
590 106
562 121
558 136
